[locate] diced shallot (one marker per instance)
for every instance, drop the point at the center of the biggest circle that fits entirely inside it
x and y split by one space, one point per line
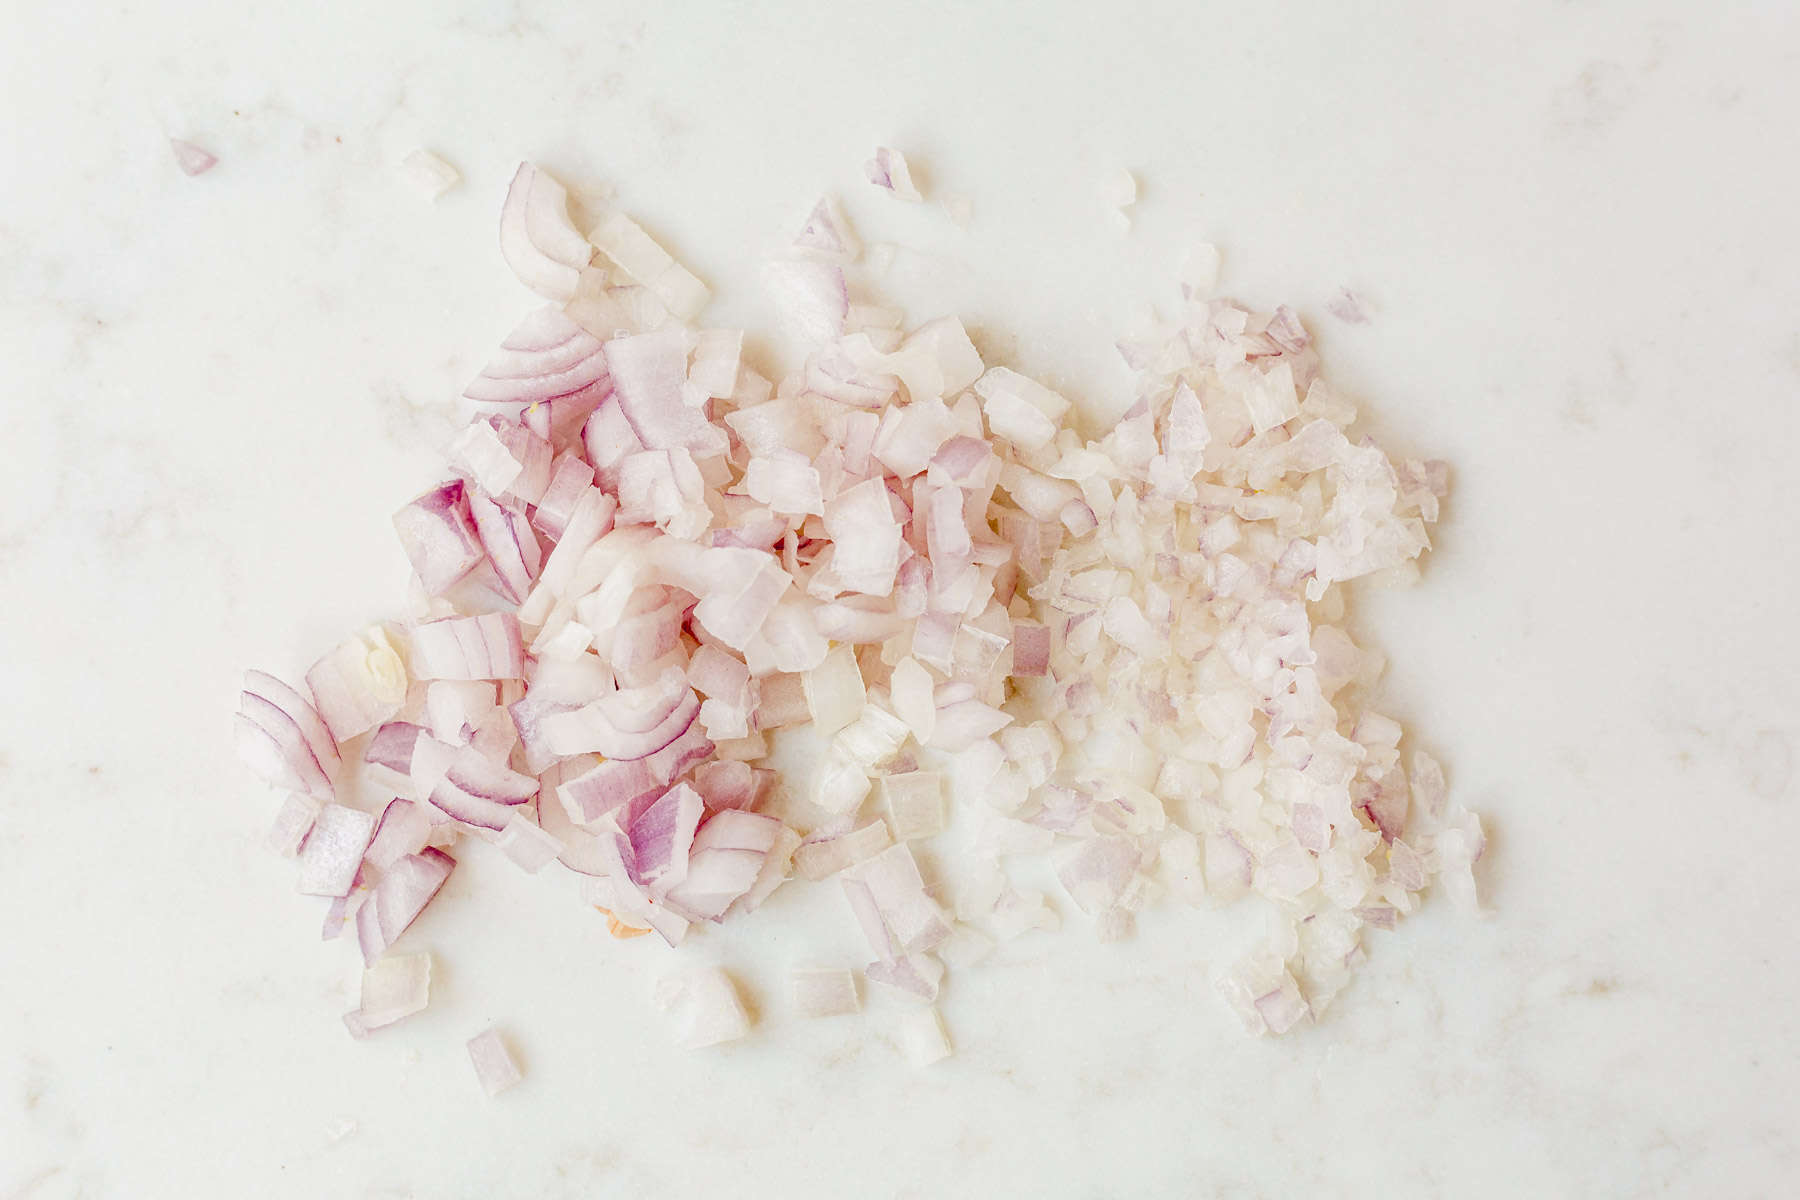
495 1067
1124 656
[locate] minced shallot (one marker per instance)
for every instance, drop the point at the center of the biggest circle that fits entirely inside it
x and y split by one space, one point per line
1126 656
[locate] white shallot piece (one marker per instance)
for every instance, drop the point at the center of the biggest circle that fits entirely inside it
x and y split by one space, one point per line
704 1006
888 170
1126 658
192 159
430 173
495 1067
823 991
922 1036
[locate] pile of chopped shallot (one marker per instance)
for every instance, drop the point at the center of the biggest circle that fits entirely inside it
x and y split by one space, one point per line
1124 656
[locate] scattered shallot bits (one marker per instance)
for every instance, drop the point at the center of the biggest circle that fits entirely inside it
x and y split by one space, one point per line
1126 656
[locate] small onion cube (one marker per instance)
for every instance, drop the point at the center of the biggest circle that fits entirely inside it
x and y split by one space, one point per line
333 850
662 837
1016 913
1031 648
777 865
609 786
725 862
1349 307
404 828
922 1036
730 785
916 975
912 919
547 359
1097 871
1272 399
865 538
1003 381
915 803
894 543
872 741
636 252
705 1008
537 239
1200 271
713 366
568 644
812 298
839 785
495 1067
489 646
715 673
570 479
834 690
962 723
192 159
1115 925
292 823
398 899
394 988
529 846
1119 190
343 909
934 639
823 991
821 859
300 711
888 170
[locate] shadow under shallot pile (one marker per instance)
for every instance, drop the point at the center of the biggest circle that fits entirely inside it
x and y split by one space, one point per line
1125 656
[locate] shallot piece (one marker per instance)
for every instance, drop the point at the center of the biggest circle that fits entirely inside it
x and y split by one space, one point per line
429 173
281 736
827 234
1119 190
888 170
922 1036
399 898
394 988
823 991
1348 307
528 845
333 850
537 238
915 802
495 1068
704 1006
292 825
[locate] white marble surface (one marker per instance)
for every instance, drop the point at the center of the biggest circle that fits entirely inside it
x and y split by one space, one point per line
1575 222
